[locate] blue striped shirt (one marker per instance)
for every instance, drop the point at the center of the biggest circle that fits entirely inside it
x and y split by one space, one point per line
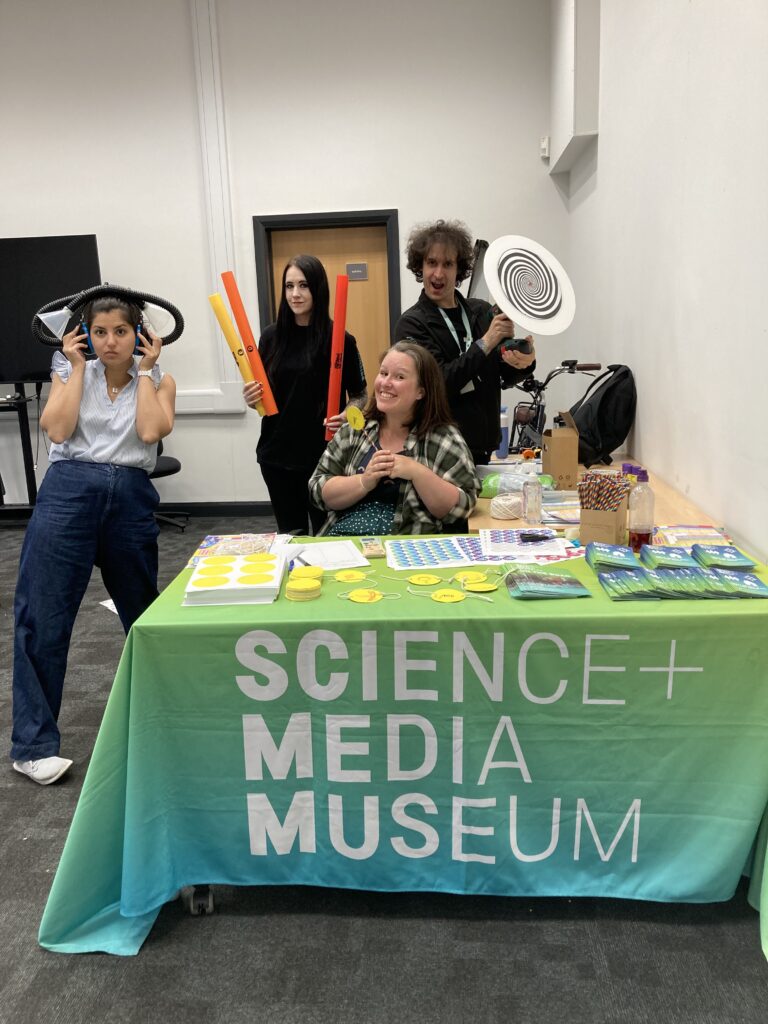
105 431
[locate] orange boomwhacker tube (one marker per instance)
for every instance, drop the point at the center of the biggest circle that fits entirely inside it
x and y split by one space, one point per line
230 334
337 349
249 344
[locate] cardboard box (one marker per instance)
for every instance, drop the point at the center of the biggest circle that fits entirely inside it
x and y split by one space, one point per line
605 527
560 454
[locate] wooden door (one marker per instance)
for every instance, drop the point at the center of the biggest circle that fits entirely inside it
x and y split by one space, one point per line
367 301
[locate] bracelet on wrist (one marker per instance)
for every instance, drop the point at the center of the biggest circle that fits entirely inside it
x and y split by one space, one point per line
147 373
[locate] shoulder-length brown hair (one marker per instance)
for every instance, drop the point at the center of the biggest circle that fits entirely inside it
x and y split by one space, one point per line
432 410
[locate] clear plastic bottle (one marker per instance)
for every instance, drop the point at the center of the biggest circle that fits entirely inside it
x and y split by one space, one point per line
503 450
532 501
641 511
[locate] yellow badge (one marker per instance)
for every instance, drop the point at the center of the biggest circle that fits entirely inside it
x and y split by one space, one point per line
470 576
447 596
365 596
349 576
355 418
482 587
424 579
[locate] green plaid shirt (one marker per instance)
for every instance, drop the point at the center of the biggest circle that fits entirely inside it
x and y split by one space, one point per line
443 451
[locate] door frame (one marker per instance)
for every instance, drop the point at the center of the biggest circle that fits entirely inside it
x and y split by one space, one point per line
263 226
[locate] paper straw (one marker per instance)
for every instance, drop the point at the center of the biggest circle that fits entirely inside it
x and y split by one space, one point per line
267 406
225 323
603 492
337 349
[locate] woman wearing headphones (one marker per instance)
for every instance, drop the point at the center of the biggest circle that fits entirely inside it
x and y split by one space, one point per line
96 506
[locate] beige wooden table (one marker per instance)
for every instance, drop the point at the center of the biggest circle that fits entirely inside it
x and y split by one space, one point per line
670 507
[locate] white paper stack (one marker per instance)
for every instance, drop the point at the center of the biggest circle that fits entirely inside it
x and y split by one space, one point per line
561 507
231 579
524 544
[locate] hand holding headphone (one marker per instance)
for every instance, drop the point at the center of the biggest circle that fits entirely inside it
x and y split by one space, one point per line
148 345
76 344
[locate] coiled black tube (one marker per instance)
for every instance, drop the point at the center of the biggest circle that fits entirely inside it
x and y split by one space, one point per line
81 299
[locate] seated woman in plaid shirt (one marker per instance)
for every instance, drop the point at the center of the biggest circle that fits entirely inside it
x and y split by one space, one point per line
408 470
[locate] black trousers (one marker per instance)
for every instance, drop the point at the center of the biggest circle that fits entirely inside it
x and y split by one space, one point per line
289 494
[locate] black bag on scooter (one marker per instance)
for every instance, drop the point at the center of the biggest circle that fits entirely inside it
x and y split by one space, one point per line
605 414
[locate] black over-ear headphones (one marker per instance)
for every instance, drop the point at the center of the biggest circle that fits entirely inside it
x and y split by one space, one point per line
76 303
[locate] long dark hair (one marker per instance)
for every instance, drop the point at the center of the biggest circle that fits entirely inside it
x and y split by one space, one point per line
320 326
431 411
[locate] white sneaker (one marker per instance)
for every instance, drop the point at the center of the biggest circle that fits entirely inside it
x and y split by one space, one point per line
44 771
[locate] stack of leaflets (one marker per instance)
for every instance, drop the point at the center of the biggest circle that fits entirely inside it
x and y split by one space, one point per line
601 556
685 536
561 507
530 540
236 579
533 581
237 544
722 556
658 556
644 584
740 584
628 585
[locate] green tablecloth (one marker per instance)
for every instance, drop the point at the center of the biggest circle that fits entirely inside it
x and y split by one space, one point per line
541 748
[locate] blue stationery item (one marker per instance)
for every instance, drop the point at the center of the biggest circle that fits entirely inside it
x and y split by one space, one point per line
627 585
601 556
742 584
721 556
425 553
641 584
533 581
709 585
669 584
659 556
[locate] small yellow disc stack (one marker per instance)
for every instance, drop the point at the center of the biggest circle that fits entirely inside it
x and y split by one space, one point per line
306 572
302 588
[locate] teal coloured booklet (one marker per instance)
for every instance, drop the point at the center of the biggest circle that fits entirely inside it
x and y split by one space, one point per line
534 581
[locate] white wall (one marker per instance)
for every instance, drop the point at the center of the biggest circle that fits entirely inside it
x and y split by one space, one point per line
333 106
349 106
668 230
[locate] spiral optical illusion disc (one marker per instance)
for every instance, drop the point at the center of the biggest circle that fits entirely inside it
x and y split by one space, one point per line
528 284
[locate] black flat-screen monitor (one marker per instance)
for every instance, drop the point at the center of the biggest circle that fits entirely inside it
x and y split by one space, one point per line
34 272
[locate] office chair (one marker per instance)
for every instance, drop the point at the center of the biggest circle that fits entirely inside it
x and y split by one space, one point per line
166 465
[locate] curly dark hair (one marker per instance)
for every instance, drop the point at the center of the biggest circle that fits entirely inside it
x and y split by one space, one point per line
432 410
453 234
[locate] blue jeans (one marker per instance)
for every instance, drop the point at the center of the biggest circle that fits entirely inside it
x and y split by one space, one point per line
87 514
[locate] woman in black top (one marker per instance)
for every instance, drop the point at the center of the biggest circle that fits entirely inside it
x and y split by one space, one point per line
296 352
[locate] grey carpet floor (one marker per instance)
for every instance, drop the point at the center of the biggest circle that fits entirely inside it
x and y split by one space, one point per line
322 956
